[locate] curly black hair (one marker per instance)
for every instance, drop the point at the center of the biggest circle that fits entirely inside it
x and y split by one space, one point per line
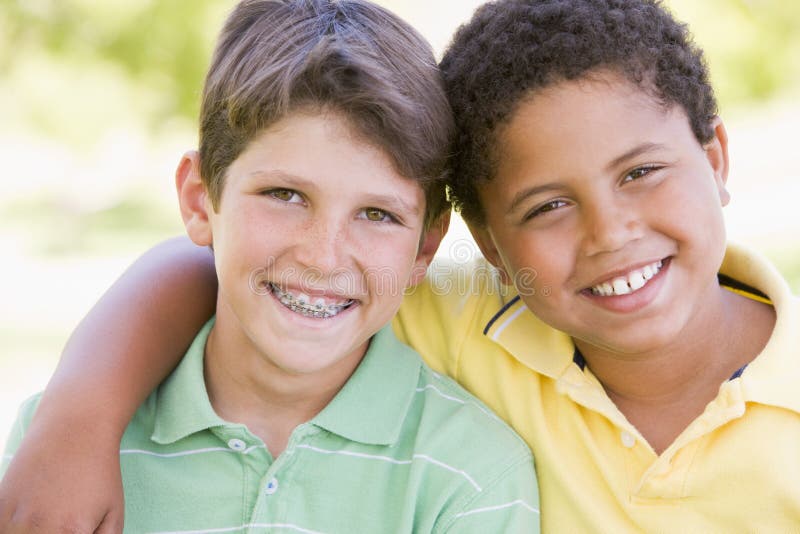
512 48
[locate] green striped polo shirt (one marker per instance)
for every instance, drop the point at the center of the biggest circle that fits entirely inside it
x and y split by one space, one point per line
399 449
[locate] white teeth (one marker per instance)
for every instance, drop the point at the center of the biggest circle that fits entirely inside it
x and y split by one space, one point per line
623 285
636 280
620 286
301 304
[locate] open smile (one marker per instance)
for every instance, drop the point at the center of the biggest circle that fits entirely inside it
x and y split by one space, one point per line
314 307
629 282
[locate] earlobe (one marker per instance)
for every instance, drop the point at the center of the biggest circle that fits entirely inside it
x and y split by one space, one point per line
717 153
485 242
193 199
429 244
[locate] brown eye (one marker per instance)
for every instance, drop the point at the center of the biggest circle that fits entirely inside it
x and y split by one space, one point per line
545 208
639 173
376 215
285 195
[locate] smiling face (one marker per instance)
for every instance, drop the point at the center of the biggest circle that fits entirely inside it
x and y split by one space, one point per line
315 239
606 212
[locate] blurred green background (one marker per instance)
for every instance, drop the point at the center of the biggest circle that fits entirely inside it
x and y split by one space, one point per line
98 99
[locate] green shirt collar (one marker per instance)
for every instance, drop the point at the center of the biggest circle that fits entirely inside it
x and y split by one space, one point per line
372 405
182 404
370 408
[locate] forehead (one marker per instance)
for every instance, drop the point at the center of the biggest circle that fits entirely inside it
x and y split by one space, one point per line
593 119
323 151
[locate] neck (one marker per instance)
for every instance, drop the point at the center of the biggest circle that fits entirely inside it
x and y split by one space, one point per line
245 387
663 390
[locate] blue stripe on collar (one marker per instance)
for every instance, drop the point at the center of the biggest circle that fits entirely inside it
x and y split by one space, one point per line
738 372
497 315
580 361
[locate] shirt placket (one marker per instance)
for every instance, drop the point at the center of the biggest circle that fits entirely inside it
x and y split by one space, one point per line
254 459
274 490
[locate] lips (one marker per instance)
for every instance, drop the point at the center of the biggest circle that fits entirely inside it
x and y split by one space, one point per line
627 283
316 307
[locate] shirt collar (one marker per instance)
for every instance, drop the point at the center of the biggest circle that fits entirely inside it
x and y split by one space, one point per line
370 408
182 404
535 344
372 405
771 378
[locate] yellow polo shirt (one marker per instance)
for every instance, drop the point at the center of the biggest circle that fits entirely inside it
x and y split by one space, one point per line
736 468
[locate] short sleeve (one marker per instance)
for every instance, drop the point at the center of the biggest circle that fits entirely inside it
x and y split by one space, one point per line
510 505
24 416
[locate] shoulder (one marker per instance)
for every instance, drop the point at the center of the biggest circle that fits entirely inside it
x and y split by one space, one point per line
449 309
454 419
492 481
456 286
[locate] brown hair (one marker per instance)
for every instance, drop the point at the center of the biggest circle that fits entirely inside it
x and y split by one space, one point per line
274 57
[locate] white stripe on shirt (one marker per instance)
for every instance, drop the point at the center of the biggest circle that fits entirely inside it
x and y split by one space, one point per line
243 527
456 399
500 507
189 452
395 461
508 322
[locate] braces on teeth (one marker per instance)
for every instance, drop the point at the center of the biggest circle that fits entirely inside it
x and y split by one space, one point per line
300 305
629 283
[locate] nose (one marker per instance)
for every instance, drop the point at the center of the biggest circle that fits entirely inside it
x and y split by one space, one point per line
320 246
609 225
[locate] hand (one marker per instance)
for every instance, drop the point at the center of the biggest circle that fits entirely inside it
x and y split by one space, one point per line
63 481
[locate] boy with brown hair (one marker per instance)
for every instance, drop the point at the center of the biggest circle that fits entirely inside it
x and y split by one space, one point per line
649 364
324 132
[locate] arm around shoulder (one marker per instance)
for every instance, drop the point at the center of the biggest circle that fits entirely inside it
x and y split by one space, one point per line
66 470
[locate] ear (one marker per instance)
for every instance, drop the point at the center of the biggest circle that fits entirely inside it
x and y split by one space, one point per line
483 237
717 153
193 198
429 244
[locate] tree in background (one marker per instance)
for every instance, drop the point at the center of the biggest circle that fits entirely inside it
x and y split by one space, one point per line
154 53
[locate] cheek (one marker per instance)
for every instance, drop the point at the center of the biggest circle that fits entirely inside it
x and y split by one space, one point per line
386 257
538 258
691 209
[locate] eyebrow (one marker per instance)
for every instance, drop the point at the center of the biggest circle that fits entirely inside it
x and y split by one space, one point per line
523 195
391 202
292 179
638 150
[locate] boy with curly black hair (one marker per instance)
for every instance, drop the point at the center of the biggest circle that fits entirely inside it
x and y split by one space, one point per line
591 167
648 363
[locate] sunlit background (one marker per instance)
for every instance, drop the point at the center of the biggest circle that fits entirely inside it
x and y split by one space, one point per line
98 100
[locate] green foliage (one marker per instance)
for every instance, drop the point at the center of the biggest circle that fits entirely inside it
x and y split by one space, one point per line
161 47
135 221
752 46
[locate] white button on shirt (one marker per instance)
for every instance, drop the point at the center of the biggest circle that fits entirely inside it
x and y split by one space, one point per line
628 440
237 444
272 486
